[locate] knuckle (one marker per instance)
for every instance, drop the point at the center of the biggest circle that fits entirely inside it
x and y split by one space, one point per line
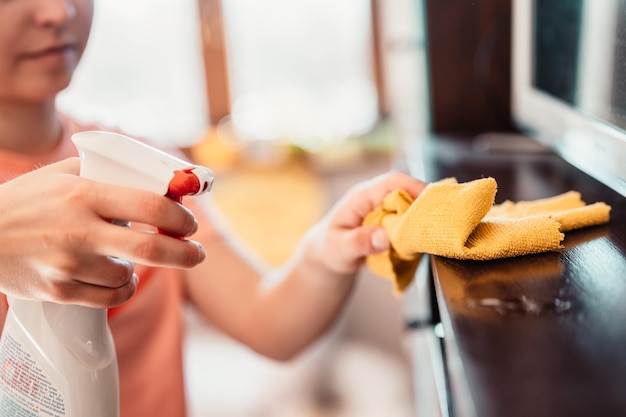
74 237
64 267
120 274
57 283
151 206
79 192
148 248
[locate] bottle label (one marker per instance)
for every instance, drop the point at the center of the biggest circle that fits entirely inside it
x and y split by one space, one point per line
25 388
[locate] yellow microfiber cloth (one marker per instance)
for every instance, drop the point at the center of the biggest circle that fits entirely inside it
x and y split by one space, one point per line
460 220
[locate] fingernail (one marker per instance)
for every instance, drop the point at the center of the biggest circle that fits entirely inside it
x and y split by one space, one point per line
201 252
379 240
194 229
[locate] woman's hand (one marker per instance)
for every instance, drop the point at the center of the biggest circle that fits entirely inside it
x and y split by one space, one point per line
340 242
57 242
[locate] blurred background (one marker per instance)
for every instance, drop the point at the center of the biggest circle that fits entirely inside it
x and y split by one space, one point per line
290 103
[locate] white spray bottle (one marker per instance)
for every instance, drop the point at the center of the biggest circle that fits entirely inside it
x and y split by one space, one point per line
58 360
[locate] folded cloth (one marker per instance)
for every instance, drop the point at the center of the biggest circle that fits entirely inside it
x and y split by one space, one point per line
460 220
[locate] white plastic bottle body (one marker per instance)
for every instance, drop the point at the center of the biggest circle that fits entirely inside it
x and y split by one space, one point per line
57 361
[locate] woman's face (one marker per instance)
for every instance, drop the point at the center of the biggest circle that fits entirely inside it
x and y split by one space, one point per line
41 42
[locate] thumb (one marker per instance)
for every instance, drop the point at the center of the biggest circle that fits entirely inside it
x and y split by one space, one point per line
379 239
371 239
347 252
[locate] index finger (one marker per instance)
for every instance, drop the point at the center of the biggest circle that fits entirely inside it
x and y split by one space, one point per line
122 203
394 180
370 194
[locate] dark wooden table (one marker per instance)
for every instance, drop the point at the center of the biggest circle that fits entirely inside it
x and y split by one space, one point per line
538 335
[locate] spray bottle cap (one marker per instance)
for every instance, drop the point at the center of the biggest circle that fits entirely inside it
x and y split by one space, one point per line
119 160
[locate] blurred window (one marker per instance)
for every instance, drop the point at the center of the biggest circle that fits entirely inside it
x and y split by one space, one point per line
300 70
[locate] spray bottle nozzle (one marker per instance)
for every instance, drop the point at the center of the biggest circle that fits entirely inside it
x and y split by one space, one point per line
193 180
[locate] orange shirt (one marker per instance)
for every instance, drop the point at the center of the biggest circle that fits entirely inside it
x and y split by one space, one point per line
148 330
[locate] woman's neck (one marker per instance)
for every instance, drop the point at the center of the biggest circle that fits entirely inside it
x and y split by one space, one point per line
29 129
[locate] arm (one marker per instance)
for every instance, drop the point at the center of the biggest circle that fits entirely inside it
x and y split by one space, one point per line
279 312
58 245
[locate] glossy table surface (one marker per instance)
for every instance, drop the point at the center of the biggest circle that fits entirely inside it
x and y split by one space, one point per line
537 335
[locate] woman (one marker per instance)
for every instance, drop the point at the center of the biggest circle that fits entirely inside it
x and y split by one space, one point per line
57 244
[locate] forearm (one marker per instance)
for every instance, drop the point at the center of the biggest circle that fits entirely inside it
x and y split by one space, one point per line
276 312
297 304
